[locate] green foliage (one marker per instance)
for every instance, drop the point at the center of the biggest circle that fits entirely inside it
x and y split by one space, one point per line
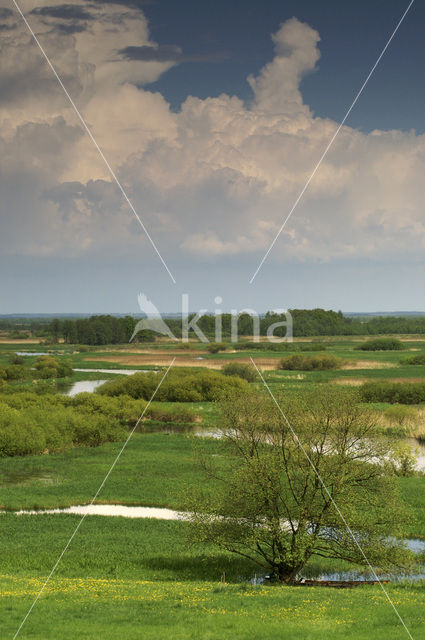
393 392
279 346
310 363
381 344
418 358
49 367
96 330
271 507
14 372
174 414
404 459
183 385
244 371
215 347
400 414
32 424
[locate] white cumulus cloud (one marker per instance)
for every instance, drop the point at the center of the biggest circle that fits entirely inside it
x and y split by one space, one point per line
217 178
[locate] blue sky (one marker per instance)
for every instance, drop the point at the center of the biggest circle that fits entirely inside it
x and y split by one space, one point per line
352 35
211 162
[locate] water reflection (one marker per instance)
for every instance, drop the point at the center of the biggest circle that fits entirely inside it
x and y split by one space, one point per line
84 386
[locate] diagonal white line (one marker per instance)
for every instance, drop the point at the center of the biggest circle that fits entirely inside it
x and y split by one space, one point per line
92 500
331 142
83 122
299 443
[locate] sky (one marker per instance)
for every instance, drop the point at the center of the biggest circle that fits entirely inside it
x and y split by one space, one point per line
212 116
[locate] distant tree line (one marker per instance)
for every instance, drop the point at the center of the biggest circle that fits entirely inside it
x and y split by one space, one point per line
96 330
107 329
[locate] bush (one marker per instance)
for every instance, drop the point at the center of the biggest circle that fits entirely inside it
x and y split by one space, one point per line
310 363
244 371
419 358
14 372
32 424
279 346
381 344
215 347
393 392
179 386
177 413
48 367
399 413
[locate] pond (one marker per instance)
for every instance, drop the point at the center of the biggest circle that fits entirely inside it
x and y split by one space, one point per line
83 386
88 386
417 448
125 372
112 510
32 353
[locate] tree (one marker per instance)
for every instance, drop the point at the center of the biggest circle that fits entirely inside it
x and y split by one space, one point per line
269 504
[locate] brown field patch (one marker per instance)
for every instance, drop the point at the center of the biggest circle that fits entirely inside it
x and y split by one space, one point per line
351 382
27 341
355 382
368 364
405 379
163 360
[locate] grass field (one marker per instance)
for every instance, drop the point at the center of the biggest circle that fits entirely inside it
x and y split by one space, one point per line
139 578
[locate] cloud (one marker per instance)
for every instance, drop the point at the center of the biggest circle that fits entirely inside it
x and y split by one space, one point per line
64 12
214 180
170 53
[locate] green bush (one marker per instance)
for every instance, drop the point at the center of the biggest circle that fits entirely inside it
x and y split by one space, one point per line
14 372
419 358
381 344
244 371
176 413
48 367
215 347
393 392
33 424
399 413
279 346
309 363
179 386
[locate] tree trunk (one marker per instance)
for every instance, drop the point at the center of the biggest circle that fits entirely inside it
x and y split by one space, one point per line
286 574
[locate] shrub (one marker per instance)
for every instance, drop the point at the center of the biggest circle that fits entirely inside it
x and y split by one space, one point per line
399 413
48 367
244 371
13 372
170 414
381 344
279 346
310 363
215 347
32 424
393 392
179 386
404 459
419 358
